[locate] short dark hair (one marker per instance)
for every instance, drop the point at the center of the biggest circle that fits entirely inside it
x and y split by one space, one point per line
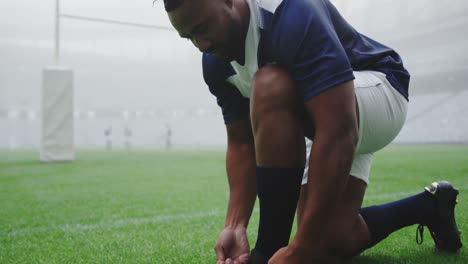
170 5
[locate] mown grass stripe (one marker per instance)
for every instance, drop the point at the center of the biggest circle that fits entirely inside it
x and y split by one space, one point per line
156 219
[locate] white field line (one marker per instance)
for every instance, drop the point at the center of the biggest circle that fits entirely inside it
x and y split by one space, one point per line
110 224
157 219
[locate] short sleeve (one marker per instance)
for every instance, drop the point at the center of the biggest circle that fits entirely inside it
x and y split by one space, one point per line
304 39
233 105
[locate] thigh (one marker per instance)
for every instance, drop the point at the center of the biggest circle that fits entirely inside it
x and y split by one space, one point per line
361 167
382 111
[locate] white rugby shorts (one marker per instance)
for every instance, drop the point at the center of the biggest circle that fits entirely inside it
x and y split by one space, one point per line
382 113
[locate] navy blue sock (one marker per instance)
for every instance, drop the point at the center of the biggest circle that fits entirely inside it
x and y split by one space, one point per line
382 220
278 191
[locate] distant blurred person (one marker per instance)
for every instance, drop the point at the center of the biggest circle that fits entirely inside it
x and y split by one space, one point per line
107 134
168 137
128 137
285 69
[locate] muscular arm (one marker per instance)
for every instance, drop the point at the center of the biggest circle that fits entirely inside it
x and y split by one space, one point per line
333 114
240 164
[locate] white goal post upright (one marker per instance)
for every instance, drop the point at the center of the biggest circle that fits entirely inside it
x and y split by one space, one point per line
57 124
57 119
57 138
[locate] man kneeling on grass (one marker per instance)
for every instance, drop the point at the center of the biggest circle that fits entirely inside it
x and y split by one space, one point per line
282 70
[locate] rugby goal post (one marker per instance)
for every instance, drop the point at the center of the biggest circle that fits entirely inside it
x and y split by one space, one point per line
57 107
57 123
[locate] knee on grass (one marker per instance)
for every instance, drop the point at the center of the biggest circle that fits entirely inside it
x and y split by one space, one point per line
338 243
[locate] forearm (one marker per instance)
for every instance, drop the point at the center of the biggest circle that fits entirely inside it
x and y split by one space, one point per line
240 164
329 167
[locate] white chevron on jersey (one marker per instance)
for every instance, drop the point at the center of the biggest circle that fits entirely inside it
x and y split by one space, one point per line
244 73
269 5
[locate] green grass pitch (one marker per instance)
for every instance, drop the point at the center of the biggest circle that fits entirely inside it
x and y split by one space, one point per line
168 207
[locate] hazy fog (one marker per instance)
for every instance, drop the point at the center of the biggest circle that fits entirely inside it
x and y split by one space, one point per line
155 77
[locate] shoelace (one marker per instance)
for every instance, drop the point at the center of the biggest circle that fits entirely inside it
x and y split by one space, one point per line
419 234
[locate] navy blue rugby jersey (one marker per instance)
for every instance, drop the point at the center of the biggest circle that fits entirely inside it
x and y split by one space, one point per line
312 40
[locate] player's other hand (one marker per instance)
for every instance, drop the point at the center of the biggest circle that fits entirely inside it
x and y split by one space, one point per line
232 246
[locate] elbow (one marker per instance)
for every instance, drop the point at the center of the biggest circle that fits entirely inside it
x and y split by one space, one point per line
351 138
347 134
343 139
345 143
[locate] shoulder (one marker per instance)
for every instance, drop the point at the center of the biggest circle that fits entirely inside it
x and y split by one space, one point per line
291 12
215 70
292 22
